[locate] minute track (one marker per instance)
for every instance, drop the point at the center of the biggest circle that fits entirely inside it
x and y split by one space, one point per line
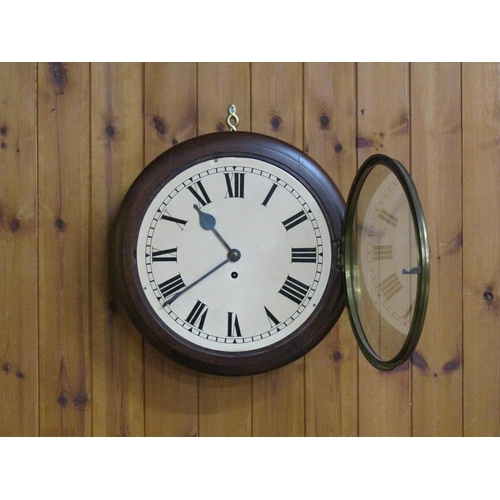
264 202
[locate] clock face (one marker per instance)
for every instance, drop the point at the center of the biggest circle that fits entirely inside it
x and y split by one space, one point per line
388 257
283 246
225 253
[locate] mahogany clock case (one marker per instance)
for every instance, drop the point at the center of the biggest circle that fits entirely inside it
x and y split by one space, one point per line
124 258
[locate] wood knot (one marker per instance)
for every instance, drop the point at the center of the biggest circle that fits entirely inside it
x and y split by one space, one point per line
15 224
6 367
20 374
338 147
62 400
419 361
324 122
337 356
454 245
3 145
276 122
4 130
361 142
401 368
452 365
160 125
220 127
60 225
488 296
59 76
80 401
110 130
175 142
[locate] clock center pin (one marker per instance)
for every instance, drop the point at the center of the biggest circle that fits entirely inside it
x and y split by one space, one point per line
234 255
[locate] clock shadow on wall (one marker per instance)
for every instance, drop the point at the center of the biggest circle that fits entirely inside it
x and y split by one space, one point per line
235 254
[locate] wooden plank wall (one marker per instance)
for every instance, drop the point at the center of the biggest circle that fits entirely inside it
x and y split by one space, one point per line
74 136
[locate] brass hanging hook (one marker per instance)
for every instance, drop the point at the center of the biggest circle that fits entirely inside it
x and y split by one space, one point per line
232 120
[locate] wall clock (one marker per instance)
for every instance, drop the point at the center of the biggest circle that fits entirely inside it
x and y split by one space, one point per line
235 254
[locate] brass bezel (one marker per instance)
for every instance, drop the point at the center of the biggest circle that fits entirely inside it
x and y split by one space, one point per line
423 255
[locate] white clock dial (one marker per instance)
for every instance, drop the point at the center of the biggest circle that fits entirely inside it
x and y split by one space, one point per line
257 295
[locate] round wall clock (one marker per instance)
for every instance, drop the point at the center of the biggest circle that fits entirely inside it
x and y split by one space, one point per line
230 255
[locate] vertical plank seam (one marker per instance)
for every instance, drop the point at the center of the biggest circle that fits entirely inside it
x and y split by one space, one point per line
37 237
304 387
250 90
463 239
410 158
356 160
90 261
143 347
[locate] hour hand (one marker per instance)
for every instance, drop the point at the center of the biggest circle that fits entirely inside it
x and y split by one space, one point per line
207 222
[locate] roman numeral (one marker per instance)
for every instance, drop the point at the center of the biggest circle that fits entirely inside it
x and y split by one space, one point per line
171 286
273 321
304 255
382 252
294 220
233 325
198 191
268 197
198 315
235 185
389 218
390 286
169 255
294 290
179 222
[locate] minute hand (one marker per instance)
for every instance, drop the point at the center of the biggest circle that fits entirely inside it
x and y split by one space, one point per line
177 295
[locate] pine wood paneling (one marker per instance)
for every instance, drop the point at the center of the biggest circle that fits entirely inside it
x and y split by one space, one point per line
170 117
481 185
18 252
117 158
436 162
330 139
383 127
64 242
219 86
74 136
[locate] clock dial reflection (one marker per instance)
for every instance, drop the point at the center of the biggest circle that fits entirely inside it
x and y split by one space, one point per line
385 262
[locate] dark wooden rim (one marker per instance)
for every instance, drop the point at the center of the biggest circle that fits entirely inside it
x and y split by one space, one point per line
146 186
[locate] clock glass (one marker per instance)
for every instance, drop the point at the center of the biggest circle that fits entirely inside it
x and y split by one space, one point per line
386 261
